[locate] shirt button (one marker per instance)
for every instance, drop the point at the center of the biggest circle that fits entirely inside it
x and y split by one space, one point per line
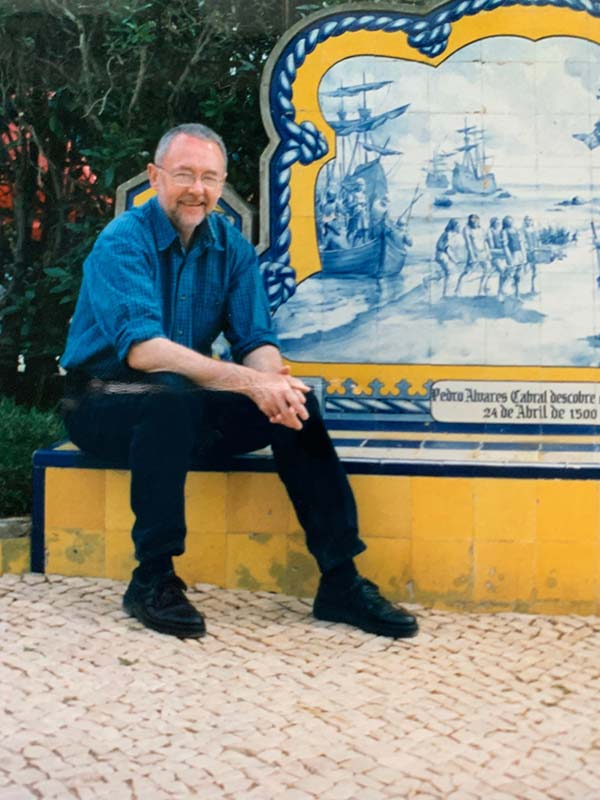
180 332
183 297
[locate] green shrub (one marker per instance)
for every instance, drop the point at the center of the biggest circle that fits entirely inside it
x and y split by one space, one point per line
22 430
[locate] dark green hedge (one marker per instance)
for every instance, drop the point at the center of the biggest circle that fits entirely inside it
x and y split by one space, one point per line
22 430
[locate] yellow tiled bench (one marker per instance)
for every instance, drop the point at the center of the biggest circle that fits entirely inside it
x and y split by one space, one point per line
450 521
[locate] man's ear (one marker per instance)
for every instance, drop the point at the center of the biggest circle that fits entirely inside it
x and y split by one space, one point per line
152 171
222 186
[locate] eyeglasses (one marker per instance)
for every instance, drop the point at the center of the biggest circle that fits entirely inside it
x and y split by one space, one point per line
189 178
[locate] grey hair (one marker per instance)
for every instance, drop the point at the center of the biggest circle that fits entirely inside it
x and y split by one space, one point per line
195 129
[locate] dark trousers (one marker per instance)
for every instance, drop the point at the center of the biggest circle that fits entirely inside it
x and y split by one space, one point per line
160 430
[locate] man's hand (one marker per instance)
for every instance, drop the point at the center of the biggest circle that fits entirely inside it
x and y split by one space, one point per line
280 396
263 377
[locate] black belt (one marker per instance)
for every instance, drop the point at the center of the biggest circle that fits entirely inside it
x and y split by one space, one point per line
78 382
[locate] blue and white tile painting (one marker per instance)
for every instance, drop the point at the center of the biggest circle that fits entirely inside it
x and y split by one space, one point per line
459 222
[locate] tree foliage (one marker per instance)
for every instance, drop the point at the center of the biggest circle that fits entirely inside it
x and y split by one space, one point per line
86 89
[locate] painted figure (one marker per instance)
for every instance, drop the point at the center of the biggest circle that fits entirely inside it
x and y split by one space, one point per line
478 253
400 236
379 215
142 388
497 255
331 225
514 252
358 213
447 252
532 242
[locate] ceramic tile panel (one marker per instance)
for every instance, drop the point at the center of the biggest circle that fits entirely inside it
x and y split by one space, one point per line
451 171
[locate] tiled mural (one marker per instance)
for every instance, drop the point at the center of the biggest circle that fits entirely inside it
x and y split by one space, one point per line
435 184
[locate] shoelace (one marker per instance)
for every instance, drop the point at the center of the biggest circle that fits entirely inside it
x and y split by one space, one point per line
373 596
170 592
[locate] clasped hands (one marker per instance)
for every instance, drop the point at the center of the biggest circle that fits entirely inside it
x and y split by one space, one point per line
281 397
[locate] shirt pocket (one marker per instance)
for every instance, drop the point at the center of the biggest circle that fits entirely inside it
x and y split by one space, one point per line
208 316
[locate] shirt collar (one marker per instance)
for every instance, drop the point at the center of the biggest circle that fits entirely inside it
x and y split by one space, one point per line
166 234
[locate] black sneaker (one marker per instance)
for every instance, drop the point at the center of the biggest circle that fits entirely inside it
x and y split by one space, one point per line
161 604
363 606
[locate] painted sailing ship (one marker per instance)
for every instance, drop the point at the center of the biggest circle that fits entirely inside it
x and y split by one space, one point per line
356 236
471 175
437 171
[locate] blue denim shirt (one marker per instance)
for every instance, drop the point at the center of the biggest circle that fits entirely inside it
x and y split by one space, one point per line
139 283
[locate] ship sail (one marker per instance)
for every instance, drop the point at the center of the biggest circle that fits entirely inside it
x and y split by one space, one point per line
365 123
350 91
382 151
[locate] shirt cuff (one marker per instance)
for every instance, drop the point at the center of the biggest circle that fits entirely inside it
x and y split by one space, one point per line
134 335
241 350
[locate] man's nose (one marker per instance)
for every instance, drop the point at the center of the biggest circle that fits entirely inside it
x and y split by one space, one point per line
198 184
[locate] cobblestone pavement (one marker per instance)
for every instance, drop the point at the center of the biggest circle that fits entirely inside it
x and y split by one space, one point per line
273 705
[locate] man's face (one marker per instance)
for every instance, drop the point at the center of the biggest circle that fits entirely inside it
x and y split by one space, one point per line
188 206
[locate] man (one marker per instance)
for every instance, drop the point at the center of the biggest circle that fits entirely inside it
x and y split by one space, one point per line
162 282
358 214
330 227
531 243
447 252
478 253
514 252
497 254
400 236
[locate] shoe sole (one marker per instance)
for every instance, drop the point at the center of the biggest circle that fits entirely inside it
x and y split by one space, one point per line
379 629
183 632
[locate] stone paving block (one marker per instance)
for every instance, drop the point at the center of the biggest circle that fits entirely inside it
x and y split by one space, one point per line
18 793
344 790
372 794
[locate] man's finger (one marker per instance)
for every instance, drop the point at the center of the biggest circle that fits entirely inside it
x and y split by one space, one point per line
297 403
288 421
296 383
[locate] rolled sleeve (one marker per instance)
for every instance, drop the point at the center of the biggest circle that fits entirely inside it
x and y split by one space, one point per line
118 304
248 319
